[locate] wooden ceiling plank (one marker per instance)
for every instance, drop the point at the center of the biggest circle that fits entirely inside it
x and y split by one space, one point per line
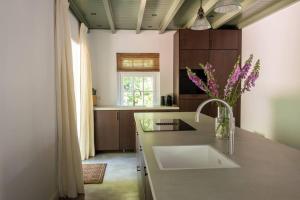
108 11
207 7
140 15
229 16
74 9
170 14
278 5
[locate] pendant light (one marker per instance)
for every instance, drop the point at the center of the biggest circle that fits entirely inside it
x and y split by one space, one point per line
201 22
226 6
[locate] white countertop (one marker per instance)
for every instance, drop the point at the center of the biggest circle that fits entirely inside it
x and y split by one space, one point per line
269 170
113 107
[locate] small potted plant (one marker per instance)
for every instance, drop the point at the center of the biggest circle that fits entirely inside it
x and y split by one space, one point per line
94 96
240 80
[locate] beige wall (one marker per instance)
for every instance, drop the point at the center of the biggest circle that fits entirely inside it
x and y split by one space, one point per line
27 100
273 107
104 45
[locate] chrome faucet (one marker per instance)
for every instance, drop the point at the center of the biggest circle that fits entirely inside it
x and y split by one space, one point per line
231 121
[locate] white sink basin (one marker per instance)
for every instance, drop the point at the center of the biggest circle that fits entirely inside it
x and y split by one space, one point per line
191 157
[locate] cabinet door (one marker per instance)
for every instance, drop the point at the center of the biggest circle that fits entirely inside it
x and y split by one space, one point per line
225 39
192 58
190 103
140 171
127 130
223 61
106 130
189 39
148 192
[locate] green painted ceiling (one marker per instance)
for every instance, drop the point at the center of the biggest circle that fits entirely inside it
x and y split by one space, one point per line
125 13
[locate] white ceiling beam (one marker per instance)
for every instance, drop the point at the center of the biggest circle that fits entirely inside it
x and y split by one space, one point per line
170 15
109 15
207 7
265 12
229 16
140 15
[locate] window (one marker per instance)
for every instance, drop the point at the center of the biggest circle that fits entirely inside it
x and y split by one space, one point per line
138 88
138 78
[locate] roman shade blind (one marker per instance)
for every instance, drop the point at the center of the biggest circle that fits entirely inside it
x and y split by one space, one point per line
144 62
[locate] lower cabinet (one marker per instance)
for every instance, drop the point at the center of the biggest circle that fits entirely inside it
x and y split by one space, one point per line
127 130
106 125
145 192
115 129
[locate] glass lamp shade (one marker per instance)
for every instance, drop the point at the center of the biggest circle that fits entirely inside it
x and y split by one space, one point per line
226 6
201 23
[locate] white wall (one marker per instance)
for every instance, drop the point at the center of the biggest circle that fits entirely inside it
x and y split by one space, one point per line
104 45
27 100
273 107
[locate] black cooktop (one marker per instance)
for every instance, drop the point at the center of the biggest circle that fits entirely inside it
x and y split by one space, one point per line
150 125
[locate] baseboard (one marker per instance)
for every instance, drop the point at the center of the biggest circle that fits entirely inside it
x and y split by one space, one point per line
54 196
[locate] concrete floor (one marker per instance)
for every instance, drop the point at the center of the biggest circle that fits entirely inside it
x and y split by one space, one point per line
120 180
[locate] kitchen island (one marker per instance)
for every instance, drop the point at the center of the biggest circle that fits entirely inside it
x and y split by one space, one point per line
268 170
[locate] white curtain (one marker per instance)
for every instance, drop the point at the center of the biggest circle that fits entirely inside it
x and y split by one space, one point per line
70 178
86 136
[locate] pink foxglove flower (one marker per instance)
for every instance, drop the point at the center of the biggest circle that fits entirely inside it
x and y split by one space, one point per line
250 80
233 78
211 82
236 76
245 69
232 90
196 80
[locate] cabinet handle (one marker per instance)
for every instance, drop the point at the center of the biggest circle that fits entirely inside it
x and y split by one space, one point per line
146 173
210 39
138 168
141 148
117 115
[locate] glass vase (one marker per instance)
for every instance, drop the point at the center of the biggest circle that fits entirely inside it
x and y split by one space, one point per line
222 127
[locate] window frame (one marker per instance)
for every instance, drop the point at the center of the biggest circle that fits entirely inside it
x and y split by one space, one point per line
155 77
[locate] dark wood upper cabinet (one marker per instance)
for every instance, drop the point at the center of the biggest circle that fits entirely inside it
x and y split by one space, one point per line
106 130
190 39
192 58
225 39
223 61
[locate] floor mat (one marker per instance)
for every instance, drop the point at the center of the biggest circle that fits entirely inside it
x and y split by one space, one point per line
93 173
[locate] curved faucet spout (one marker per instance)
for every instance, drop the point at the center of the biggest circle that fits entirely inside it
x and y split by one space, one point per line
231 120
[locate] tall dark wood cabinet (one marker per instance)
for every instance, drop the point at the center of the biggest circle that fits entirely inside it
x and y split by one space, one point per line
218 47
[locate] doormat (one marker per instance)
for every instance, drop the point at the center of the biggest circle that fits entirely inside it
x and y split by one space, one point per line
93 173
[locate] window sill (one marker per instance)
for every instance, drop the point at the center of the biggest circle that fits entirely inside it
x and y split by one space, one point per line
136 107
